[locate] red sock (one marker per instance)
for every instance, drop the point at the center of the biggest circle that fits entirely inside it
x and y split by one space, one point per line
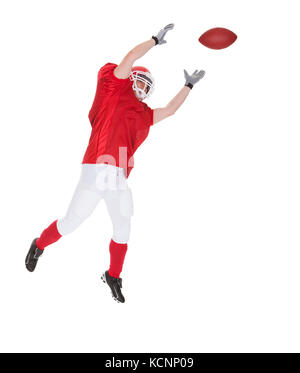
117 256
48 236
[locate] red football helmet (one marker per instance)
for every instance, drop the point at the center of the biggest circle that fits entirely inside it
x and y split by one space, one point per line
140 73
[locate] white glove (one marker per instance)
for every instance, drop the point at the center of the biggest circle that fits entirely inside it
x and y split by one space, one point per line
159 38
191 80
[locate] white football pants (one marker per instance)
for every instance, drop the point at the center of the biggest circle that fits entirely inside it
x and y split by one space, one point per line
99 181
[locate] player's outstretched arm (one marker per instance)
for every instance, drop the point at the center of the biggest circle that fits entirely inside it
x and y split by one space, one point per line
123 70
190 80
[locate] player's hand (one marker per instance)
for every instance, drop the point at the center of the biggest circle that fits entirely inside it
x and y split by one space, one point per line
159 38
191 80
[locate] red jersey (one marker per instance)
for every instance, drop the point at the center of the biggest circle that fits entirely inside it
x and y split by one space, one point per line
120 122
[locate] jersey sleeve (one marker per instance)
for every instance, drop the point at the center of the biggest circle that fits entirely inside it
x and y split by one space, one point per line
109 82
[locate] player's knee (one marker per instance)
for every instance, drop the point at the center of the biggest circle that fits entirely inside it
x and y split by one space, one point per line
69 223
121 234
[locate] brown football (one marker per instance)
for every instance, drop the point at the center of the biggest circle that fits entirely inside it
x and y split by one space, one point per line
218 38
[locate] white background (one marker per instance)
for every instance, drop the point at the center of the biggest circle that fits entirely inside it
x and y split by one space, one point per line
213 259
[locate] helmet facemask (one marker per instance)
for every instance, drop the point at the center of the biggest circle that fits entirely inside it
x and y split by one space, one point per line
144 77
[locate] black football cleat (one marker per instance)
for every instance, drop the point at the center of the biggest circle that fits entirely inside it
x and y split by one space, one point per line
33 256
115 285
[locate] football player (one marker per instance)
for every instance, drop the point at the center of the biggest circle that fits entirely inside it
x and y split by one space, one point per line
120 122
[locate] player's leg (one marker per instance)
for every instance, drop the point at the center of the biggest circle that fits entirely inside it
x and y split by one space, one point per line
120 208
81 207
83 203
